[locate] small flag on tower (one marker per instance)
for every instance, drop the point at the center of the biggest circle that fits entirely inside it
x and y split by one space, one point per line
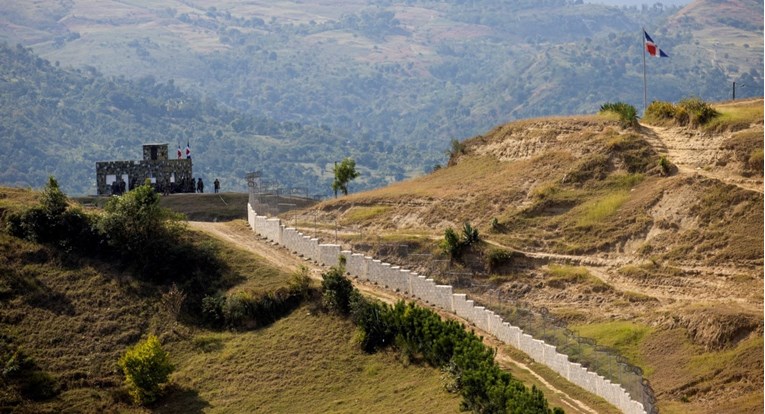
652 48
180 154
188 150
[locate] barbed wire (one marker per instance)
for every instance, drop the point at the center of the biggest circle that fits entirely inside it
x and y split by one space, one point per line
272 199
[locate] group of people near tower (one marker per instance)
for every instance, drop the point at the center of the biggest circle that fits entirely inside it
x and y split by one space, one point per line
199 185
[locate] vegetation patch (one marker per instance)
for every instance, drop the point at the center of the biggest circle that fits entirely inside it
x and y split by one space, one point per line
626 337
419 333
626 113
692 112
736 117
561 276
596 211
359 214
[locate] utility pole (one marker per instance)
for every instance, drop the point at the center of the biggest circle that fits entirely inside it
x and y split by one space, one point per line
734 90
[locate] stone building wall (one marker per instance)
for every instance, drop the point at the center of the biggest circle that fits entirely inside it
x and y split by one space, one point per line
176 174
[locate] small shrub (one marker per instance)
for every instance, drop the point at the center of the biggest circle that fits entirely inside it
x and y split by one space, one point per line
235 309
626 112
659 111
146 367
495 226
212 309
300 282
172 301
451 243
53 200
699 112
336 291
498 258
456 148
469 234
664 165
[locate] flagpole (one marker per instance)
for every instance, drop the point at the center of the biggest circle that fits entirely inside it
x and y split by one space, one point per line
645 87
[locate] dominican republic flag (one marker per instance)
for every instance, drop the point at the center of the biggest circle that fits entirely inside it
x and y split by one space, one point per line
180 154
652 48
188 150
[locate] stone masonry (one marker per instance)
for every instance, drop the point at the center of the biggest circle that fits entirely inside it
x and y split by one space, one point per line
165 174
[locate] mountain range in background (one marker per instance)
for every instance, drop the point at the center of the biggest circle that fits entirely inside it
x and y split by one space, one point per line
288 90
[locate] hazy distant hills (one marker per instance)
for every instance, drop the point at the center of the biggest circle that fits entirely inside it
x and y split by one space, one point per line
60 122
416 72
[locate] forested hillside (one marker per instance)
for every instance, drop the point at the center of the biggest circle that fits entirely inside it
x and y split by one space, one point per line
389 83
416 71
61 121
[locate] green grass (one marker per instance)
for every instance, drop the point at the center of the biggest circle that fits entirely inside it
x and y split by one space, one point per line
197 207
358 214
563 275
735 117
598 210
624 181
306 362
75 317
717 361
625 337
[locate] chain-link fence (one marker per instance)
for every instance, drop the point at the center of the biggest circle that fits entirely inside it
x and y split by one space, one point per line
271 199
538 323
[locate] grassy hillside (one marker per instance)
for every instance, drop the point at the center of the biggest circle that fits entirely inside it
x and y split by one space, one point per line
196 207
663 265
73 317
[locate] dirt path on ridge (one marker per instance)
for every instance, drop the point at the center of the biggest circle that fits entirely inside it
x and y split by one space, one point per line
239 234
693 153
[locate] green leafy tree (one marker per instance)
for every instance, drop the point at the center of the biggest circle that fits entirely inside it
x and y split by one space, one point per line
146 367
345 172
138 228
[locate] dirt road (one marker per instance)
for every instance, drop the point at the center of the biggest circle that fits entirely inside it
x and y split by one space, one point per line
239 234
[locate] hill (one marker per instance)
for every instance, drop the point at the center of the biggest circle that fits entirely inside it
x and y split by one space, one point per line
62 121
66 319
580 223
418 73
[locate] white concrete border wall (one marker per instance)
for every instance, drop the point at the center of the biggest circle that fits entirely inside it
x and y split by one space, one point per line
442 296
329 254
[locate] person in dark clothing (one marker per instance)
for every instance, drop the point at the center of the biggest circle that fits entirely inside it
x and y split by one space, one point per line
216 185
200 186
193 185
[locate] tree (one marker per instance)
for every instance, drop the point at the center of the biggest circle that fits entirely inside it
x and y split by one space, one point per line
53 200
139 229
146 367
344 173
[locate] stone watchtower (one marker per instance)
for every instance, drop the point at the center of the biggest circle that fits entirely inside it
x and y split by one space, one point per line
165 175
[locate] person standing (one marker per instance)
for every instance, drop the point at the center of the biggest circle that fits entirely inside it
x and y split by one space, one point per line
216 185
200 186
